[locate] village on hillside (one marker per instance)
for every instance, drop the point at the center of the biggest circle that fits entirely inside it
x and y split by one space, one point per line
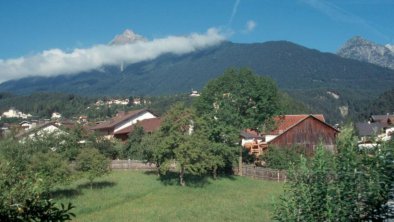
308 130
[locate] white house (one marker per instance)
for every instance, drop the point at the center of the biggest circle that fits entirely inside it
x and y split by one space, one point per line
121 121
56 115
194 93
27 125
13 113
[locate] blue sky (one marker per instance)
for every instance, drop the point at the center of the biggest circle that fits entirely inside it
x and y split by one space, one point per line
29 27
32 26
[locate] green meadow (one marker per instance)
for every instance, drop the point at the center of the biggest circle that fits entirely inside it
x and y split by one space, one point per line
142 196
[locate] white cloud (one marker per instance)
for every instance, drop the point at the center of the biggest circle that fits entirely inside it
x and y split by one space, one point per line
54 62
234 12
250 25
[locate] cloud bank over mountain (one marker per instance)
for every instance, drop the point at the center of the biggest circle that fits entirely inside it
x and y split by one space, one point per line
54 62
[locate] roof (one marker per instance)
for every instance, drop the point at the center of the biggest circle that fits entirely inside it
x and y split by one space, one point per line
35 129
369 129
149 125
386 120
118 119
381 117
285 122
318 117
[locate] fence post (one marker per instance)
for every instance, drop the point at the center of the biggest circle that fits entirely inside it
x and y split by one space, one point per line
278 176
254 172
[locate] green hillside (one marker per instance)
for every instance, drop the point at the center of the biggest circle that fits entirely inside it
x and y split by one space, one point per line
291 66
306 74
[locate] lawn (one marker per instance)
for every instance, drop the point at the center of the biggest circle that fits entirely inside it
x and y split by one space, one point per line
138 196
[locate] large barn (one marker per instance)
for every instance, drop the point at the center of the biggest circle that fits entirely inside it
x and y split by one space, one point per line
306 131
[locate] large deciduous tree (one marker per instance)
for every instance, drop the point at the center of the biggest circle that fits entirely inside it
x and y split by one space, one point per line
239 99
181 142
235 101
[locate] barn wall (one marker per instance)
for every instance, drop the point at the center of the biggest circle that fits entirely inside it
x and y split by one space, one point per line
309 133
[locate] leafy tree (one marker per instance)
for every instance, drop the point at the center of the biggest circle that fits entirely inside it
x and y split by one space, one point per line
235 101
191 156
51 168
22 197
220 157
364 179
132 148
105 146
182 143
92 164
153 149
69 143
307 190
24 184
239 99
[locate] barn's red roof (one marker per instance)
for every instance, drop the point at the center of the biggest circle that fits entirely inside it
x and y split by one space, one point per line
149 125
285 122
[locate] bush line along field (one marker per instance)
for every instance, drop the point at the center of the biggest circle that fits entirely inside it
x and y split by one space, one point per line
141 196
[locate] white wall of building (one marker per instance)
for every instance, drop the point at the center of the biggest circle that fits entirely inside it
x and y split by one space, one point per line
268 138
131 121
251 140
13 113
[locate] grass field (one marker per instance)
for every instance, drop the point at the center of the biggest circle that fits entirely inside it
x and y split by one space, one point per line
138 196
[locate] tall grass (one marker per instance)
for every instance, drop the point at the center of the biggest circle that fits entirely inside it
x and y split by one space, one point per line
139 196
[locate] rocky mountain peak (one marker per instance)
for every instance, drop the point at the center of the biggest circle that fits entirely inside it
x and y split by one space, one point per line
358 40
364 50
127 37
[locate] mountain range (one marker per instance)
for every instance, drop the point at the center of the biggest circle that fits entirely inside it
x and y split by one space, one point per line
306 74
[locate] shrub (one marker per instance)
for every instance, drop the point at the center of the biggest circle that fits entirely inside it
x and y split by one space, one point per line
92 164
282 157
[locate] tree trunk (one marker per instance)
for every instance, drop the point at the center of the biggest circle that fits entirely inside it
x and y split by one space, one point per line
158 168
181 175
240 161
91 184
215 172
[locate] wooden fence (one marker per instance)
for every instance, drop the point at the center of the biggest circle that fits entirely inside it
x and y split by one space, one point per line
247 170
131 164
262 173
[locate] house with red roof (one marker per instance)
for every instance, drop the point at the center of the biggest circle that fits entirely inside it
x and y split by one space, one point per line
121 122
306 131
149 126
